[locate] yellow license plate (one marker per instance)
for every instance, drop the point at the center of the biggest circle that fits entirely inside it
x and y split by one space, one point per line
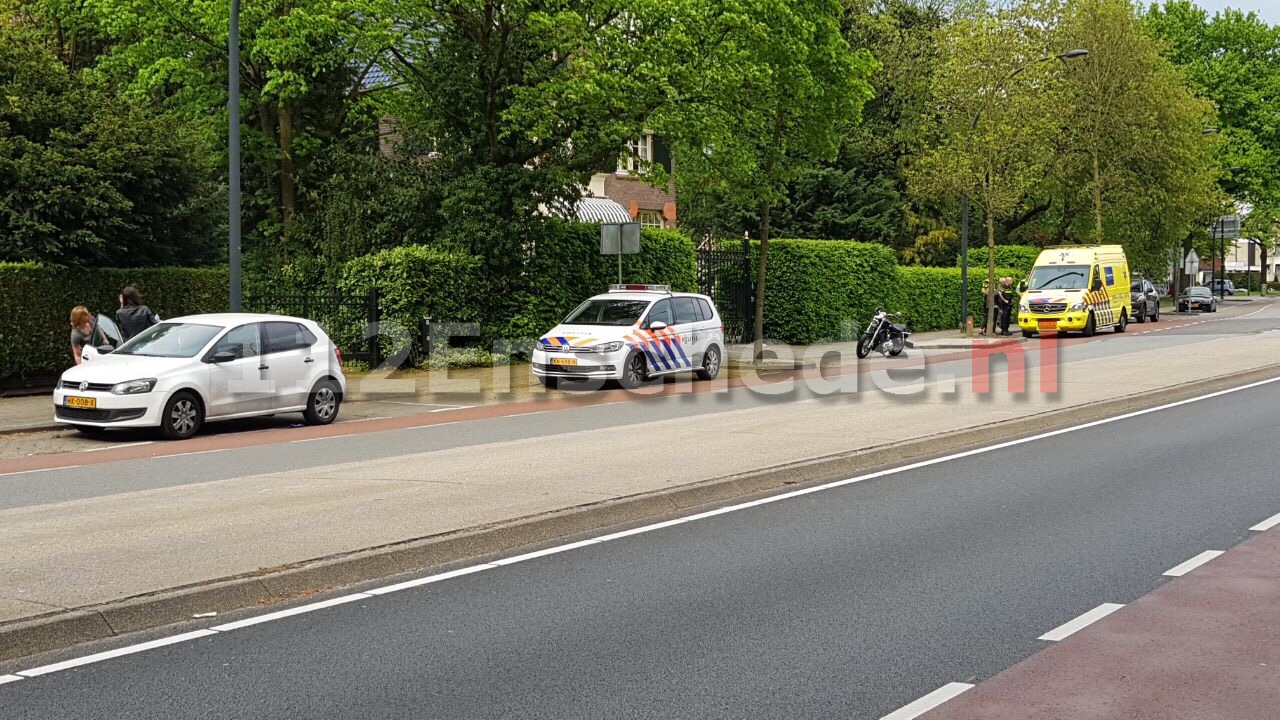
564 361
81 402
1195 305
1048 324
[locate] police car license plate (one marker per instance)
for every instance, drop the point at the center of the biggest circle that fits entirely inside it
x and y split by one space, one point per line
564 361
1048 325
80 402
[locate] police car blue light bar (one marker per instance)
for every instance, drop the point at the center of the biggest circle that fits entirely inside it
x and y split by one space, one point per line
640 288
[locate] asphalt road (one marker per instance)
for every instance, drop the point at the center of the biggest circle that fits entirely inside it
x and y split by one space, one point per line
844 603
57 485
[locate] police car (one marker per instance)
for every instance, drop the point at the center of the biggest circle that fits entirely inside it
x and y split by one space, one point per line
631 334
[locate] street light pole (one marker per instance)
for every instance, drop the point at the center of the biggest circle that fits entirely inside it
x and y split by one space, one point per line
964 205
233 141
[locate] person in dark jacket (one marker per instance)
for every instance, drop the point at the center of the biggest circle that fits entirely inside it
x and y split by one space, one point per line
133 317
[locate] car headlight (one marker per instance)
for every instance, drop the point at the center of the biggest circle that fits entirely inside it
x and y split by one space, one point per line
608 347
1023 308
1078 306
133 387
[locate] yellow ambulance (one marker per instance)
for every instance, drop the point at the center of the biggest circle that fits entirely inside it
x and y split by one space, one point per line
1081 288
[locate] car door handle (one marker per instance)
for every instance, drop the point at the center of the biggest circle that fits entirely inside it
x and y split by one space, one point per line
309 360
264 367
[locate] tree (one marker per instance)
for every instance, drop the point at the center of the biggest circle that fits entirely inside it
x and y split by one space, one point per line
1233 59
302 71
88 180
763 92
1132 131
995 120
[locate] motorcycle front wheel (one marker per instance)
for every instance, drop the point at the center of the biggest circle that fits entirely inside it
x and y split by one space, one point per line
865 344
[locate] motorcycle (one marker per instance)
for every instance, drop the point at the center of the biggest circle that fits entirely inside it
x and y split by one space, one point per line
887 337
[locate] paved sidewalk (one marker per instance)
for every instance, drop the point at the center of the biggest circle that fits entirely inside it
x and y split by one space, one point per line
1205 646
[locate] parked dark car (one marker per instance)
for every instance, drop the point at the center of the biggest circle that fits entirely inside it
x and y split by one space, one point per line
1144 300
1227 287
1197 298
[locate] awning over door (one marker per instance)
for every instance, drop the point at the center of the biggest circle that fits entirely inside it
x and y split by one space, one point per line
600 210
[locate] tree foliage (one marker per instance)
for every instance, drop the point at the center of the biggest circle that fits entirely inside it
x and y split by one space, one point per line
88 180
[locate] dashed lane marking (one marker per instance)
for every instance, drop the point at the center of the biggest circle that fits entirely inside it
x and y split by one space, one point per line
1195 562
928 702
1068 629
1267 524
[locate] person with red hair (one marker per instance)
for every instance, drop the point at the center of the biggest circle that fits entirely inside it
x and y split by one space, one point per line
82 331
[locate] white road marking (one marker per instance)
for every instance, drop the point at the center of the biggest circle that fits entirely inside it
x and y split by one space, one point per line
1267 524
1105 609
187 454
431 579
28 472
416 404
454 407
327 437
1192 564
524 414
119 652
117 447
9 678
290 612
928 702
1067 629
544 553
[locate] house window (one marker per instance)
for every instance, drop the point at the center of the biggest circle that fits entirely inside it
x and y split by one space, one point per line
649 219
639 153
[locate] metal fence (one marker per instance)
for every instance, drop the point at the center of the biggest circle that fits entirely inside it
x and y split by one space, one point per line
350 320
725 276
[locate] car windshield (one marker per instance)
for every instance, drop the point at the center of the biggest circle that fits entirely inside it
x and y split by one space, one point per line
1199 292
1059 277
607 312
170 340
1136 287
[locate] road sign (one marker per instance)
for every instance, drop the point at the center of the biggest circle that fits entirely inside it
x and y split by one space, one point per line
1226 227
1191 265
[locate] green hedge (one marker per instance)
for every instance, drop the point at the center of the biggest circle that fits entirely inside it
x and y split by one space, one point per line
36 307
413 282
929 297
564 267
1019 258
820 290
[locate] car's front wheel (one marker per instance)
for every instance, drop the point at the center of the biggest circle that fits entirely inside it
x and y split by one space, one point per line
1140 317
636 372
323 403
183 416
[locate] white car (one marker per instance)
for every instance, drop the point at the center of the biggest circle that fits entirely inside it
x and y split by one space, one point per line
631 334
179 373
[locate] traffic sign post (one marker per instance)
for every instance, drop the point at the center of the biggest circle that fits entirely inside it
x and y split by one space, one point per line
620 239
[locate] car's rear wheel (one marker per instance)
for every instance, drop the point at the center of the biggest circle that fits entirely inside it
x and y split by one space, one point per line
183 415
1155 316
636 372
710 364
323 403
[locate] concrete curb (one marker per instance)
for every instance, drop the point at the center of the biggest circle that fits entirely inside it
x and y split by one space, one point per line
271 586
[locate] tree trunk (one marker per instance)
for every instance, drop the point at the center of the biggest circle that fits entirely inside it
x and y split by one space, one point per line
1097 200
758 349
991 273
287 199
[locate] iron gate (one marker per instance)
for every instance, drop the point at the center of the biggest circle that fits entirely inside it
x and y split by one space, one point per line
725 276
351 321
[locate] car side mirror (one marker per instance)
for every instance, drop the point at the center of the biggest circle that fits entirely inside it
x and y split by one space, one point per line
104 349
224 356
657 325
1097 285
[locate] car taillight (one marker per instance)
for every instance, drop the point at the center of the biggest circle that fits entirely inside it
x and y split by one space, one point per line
338 352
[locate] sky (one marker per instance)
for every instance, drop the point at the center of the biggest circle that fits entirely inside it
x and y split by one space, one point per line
1268 10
